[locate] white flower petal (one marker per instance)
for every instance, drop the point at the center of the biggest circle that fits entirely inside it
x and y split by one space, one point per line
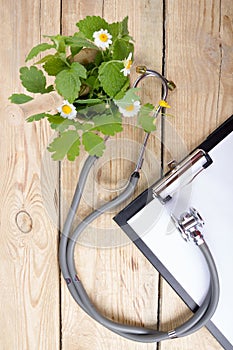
102 39
127 65
125 71
67 110
130 110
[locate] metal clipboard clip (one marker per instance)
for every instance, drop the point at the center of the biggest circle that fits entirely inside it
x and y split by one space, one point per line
182 174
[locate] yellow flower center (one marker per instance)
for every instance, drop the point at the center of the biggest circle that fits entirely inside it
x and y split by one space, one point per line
130 108
66 109
103 37
128 64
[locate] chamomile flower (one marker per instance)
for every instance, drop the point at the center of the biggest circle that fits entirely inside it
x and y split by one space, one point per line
127 65
67 110
131 110
102 39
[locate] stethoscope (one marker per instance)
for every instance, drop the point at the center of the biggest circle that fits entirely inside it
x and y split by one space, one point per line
187 224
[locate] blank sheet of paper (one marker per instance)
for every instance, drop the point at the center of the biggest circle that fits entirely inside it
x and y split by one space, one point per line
211 193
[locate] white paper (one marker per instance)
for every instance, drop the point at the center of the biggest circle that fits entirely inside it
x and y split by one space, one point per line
211 193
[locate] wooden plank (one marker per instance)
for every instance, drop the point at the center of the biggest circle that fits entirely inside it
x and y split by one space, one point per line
225 103
202 100
28 249
118 279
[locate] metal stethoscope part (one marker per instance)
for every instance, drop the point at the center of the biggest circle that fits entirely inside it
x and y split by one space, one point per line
69 239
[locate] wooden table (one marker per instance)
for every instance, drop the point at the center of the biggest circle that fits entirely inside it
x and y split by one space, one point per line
191 43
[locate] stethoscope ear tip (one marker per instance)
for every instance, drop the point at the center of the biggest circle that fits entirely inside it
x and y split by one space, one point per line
141 69
171 85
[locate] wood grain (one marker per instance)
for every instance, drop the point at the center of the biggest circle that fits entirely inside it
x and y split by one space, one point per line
121 283
192 42
29 274
195 47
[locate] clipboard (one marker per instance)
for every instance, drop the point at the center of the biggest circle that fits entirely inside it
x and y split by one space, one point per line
204 180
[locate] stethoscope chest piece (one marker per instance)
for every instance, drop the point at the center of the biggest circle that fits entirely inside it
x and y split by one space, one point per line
189 225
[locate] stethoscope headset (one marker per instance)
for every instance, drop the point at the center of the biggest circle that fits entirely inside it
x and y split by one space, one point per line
68 241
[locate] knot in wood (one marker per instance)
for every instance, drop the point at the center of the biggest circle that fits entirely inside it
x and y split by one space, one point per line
23 221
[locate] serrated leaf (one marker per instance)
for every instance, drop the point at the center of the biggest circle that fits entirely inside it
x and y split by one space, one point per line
108 124
37 49
68 81
56 121
93 144
33 79
79 40
20 98
91 24
67 85
122 49
61 124
54 65
37 117
145 119
119 29
124 26
111 77
74 150
66 144
79 69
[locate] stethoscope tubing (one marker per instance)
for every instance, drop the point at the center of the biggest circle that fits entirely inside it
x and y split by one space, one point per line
67 263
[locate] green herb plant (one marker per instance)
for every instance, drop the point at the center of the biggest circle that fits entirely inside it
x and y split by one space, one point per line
96 93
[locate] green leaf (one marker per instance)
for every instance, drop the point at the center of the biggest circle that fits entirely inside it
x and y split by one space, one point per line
66 144
122 49
79 40
44 59
67 85
108 124
129 97
37 49
56 121
119 29
68 81
89 101
37 117
33 79
90 111
75 50
20 98
124 26
93 144
111 77
74 150
54 65
121 94
59 42
145 119
60 124
91 24
50 88
79 69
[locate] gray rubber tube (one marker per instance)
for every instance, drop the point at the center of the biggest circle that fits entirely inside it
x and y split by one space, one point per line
66 257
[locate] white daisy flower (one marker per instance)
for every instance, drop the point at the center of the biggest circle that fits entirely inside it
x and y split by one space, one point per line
102 39
127 65
131 110
67 110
